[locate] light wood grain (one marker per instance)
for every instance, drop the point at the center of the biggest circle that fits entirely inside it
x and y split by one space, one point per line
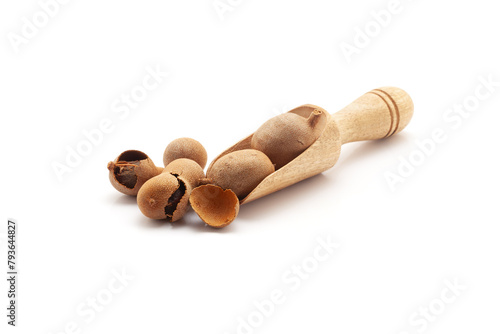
377 114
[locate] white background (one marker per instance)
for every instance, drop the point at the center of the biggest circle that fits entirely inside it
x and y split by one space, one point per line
227 75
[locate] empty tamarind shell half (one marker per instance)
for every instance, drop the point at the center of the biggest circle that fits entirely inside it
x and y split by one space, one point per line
130 170
217 207
241 171
284 137
185 148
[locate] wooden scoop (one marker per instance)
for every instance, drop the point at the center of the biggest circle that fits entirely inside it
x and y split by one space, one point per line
378 114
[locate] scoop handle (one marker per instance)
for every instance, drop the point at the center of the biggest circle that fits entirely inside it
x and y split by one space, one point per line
377 114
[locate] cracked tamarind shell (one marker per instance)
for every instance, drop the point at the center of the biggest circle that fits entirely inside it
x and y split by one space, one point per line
284 137
164 196
188 169
130 170
185 148
215 206
241 171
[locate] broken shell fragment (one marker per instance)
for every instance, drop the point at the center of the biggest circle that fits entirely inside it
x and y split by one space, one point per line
215 206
